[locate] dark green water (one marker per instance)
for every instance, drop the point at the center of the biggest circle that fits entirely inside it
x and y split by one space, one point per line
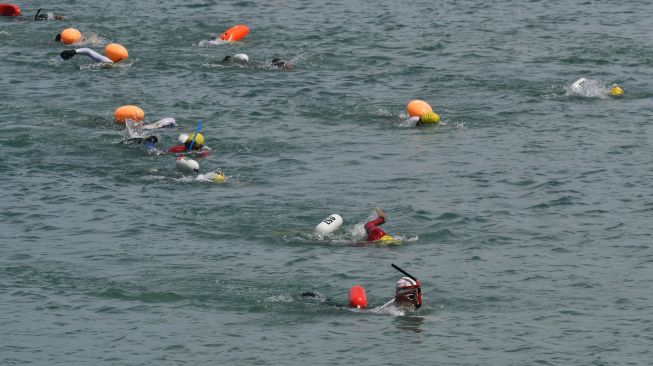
527 213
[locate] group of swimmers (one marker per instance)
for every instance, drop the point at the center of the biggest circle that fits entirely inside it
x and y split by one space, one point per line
408 289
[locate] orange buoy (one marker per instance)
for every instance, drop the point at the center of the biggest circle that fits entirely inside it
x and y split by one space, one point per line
116 52
417 107
235 33
357 297
70 36
126 112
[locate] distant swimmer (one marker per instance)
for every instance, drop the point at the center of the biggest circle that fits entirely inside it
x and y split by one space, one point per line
282 64
239 58
47 16
192 146
421 113
114 53
594 88
149 143
375 233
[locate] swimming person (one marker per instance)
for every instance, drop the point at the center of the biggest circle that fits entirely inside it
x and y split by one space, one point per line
594 88
197 148
47 16
408 297
239 58
114 53
374 232
282 64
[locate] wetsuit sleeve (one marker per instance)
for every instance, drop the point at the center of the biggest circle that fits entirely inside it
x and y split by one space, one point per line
374 223
93 55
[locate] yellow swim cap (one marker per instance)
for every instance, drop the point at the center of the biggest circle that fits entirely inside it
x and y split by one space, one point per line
429 118
616 91
199 141
387 239
219 177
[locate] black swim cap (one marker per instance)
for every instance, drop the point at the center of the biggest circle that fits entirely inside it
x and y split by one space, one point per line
57 38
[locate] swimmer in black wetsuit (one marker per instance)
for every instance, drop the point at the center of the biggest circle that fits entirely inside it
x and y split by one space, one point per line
282 65
47 16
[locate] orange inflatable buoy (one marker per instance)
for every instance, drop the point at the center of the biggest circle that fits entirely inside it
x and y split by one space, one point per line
116 52
357 297
235 33
126 112
416 108
70 36
9 10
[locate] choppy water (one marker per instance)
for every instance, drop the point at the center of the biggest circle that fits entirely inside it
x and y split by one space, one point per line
527 213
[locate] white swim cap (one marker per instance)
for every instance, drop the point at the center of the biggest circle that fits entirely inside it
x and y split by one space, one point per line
406 283
182 137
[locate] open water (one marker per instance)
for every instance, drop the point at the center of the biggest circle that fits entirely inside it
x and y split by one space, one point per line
526 213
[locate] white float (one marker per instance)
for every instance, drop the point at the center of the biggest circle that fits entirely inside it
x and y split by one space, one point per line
186 165
182 137
162 123
241 57
329 225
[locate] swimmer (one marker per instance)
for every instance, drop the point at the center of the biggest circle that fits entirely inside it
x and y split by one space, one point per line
197 148
149 142
239 58
47 16
408 297
115 53
375 233
216 176
594 88
282 65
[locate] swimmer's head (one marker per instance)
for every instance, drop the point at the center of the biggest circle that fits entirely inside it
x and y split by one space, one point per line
40 16
282 65
199 141
429 118
408 292
388 239
227 60
616 91
219 176
150 142
57 38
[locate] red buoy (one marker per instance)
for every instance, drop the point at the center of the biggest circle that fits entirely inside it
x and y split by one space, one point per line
357 297
9 10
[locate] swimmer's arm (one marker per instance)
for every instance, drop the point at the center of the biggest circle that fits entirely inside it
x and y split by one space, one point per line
93 55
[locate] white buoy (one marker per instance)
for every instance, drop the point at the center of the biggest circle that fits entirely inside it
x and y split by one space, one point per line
186 165
240 57
162 123
182 137
329 225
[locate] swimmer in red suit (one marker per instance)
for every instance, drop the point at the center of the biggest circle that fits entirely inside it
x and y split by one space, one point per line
374 232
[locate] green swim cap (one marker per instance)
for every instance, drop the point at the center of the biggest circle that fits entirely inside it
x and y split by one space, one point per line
429 118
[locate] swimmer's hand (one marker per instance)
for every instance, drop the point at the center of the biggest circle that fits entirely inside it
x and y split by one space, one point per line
68 54
380 213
